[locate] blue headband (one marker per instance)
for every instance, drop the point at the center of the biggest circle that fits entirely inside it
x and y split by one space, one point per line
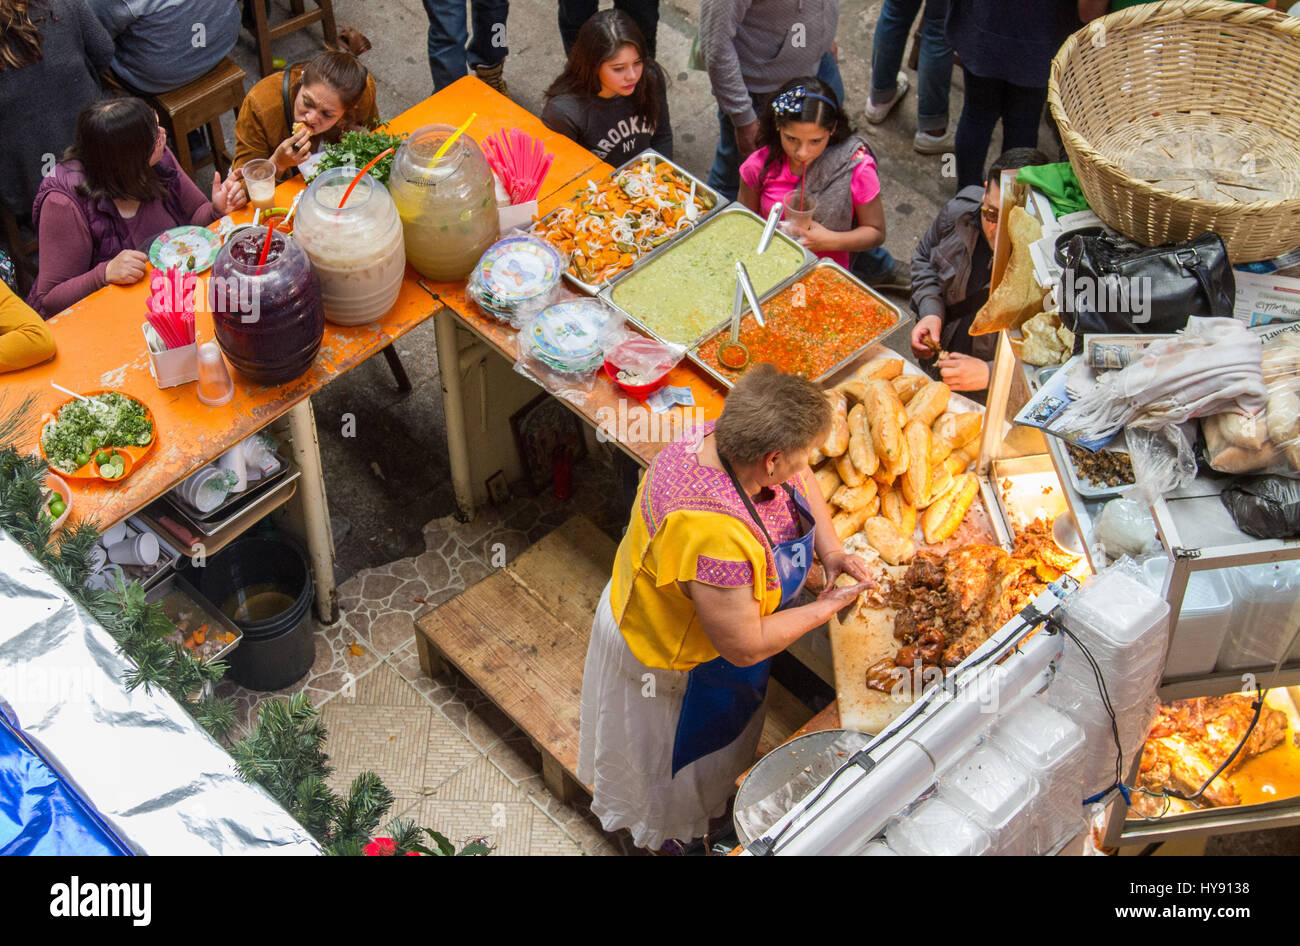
791 101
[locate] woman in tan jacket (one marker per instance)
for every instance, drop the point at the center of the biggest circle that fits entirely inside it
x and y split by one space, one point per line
291 116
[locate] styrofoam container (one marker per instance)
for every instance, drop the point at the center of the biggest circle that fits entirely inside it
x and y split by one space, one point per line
995 792
936 828
1202 623
1053 748
878 849
1265 615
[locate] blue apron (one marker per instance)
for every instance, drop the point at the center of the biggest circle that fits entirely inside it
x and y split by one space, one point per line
722 698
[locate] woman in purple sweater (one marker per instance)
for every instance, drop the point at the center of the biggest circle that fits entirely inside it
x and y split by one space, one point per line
116 189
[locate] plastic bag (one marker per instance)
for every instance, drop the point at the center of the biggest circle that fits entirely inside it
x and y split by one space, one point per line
1125 528
640 362
563 346
1163 460
1267 441
1267 507
516 278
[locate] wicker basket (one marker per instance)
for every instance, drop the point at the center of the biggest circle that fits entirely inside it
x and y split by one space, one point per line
1190 79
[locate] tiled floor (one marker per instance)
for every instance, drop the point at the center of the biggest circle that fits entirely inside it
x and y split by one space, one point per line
452 760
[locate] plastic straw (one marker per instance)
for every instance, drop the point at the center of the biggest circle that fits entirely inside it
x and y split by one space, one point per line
266 247
379 157
454 135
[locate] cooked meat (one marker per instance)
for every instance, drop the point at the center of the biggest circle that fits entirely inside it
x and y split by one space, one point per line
1191 738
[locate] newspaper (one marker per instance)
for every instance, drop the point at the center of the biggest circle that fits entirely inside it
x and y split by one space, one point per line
1266 298
1045 408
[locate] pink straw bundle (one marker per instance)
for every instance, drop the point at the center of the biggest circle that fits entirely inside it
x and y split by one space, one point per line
171 306
520 161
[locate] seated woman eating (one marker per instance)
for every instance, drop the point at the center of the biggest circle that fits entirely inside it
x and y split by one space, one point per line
806 144
612 96
291 116
707 587
115 190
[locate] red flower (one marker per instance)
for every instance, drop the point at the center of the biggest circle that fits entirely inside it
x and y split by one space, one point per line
380 847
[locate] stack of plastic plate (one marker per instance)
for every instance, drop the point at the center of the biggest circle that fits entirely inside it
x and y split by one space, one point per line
513 274
566 336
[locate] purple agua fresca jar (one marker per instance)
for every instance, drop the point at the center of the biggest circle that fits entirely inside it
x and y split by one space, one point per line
269 319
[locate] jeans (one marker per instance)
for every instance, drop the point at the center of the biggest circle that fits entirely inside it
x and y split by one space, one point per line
451 50
1019 107
934 67
573 13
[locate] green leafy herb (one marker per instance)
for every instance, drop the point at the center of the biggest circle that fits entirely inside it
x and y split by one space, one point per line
104 420
356 149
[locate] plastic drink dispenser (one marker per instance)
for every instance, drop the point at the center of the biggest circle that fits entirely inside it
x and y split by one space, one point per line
269 318
448 208
356 249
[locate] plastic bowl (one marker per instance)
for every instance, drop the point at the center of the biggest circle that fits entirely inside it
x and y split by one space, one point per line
56 484
638 391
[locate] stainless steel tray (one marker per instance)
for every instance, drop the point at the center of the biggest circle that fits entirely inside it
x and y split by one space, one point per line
694 352
700 188
176 585
248 500
607 294
197 515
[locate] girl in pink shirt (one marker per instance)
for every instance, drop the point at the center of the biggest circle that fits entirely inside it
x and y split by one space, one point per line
805 140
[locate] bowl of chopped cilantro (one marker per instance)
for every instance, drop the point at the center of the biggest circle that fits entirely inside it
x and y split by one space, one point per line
103 437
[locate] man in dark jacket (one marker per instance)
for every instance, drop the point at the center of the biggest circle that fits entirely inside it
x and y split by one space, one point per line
950 280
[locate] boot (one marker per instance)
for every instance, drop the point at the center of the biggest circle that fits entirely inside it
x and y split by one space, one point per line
493 77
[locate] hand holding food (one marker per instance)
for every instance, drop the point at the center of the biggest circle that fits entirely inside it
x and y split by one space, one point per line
925 336
126 268
964 373
293 150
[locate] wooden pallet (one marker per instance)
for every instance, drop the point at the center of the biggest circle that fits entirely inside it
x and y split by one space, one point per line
521 634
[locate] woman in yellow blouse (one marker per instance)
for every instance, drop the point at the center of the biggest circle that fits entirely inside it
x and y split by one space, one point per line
706 588
25 340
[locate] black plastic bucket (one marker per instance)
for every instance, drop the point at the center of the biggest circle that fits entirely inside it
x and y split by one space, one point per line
278 649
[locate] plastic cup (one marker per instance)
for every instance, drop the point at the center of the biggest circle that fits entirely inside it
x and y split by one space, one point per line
106 579
799 210
259 180
197 492
138 550
113 535
233 460
215 387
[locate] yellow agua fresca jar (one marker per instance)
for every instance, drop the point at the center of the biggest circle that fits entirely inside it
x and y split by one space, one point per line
448 209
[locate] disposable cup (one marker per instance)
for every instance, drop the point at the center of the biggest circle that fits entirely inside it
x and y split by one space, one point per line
140 550
799 209
113 535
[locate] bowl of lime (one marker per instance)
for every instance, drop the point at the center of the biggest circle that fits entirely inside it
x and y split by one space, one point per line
111 465
59 503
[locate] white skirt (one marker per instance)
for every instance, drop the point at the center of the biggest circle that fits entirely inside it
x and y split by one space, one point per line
628 724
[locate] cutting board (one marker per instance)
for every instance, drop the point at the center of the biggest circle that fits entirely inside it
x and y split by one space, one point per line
864 637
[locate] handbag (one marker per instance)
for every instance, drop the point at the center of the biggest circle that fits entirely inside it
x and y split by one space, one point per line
1111 285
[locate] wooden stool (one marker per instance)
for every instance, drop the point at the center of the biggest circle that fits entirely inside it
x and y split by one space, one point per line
21 250
264 34
200 103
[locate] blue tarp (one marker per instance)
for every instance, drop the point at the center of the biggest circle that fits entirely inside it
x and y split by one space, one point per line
39 812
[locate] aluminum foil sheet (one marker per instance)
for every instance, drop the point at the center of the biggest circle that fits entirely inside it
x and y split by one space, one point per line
160 781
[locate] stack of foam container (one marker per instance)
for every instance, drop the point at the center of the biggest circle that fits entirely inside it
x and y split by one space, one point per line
997 793
936 828
1265 616
1125 626
1051 748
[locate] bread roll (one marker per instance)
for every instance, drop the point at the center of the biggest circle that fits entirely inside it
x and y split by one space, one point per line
906 385
853 498
894 547
917 475
828 480
961 429
849 474
837 441
861 449
928 403
897 511
944 515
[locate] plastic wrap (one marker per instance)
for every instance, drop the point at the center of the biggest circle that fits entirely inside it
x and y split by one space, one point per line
1267 507
1163 460
563 346
516 278
996 793
935 827
1125 627
641 361
1267 441
1052 747
1265 616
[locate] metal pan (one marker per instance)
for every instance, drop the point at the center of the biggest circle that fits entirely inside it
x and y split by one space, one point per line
184 594
198 515
247 500
607 294
656 158
694 352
